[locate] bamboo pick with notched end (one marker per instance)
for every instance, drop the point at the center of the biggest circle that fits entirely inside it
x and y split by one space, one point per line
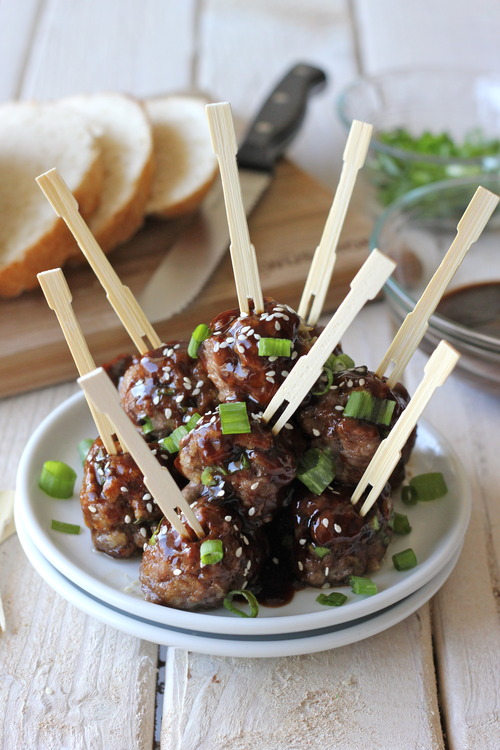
380 468
365 286
7 528
414 326
59 297
243 257
323 262
98 386
120 297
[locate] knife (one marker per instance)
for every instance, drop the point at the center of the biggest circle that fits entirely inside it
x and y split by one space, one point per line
184 271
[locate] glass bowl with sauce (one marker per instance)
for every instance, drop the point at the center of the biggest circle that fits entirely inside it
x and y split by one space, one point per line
417 231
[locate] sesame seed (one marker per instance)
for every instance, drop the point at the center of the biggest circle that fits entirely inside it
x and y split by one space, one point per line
302 541
153 451
177 346
362 381
349 383
277 325
272 358
271 373
123 489
249 565
220 493
276 561
285 373
177 572
245 329
228 518
195 392
179 398
325 586
230 340
142 531
245 539
168 413
149 507
187 385
245 584
294 355
216 346
327 570
224 345
325 522
251 511
92 509
288 426
167 352
300 566
256 335
316 432
144 547
240 349
199 384
242 337
239 552
254 486
339 407
337 528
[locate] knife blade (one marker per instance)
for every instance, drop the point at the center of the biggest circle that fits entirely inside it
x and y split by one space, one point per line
191 261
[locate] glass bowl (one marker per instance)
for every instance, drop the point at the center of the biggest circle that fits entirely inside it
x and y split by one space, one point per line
463 104
417 231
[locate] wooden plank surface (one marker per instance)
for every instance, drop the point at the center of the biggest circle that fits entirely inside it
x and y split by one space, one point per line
285 228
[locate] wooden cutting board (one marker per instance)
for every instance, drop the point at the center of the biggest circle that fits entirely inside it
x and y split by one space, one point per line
285 228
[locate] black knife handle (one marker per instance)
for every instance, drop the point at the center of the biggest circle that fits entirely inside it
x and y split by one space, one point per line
279 118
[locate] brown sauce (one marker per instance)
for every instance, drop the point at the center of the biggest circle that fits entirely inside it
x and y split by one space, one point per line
475 306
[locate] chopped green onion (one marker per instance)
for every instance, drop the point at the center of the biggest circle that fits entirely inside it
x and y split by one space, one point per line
147 426
193 421
234 418
401 524
57 479
171 443
339 362
152 540
404 560
199 334
321 552
335 599
252 601
429 486
375 523
211 551
363 405
409 495
275 347
83 448
66 528
329 381
361 585
316 470
207 477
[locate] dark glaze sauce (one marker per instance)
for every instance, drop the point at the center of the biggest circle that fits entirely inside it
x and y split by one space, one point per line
475 306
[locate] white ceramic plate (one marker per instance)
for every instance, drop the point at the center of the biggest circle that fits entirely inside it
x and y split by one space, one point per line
264 646
437 532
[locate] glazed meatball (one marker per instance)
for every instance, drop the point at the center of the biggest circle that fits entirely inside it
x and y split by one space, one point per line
256 465
162 389
231 354
172 572
353 441
116 505
332 541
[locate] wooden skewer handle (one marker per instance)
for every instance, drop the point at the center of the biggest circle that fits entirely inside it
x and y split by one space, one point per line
156 478
58 296
380 468
120 297
413 328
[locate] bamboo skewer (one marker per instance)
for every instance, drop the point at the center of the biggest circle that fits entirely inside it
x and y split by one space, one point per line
120 297
99 388
366 284
58 296
415 324
380 468
320 273
243 257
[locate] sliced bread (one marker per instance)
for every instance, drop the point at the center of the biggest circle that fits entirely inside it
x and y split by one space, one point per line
124 134
185 163
34 138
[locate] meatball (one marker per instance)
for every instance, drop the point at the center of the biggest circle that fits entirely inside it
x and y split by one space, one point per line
353 441
116 505
172 573
255 465
332 541
231 354
162 389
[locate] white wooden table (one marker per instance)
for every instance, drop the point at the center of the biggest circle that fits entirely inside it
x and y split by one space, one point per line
67 681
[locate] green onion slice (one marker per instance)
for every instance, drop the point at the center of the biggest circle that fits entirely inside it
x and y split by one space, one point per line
429 486
404 560
234 418
401 524
275 347
193 421
66 528
252 601
316 470
409 495
211 551
199 334
335 599
363 405
329 382
171 443
83 448
57 479
361 585
321 552
339 362
147 426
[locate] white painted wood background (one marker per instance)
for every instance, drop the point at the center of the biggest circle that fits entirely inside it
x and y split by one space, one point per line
69 682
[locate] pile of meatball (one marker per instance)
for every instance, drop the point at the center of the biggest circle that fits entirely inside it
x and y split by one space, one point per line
243 487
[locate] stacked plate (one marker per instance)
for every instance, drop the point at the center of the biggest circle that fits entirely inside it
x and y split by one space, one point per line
108 589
